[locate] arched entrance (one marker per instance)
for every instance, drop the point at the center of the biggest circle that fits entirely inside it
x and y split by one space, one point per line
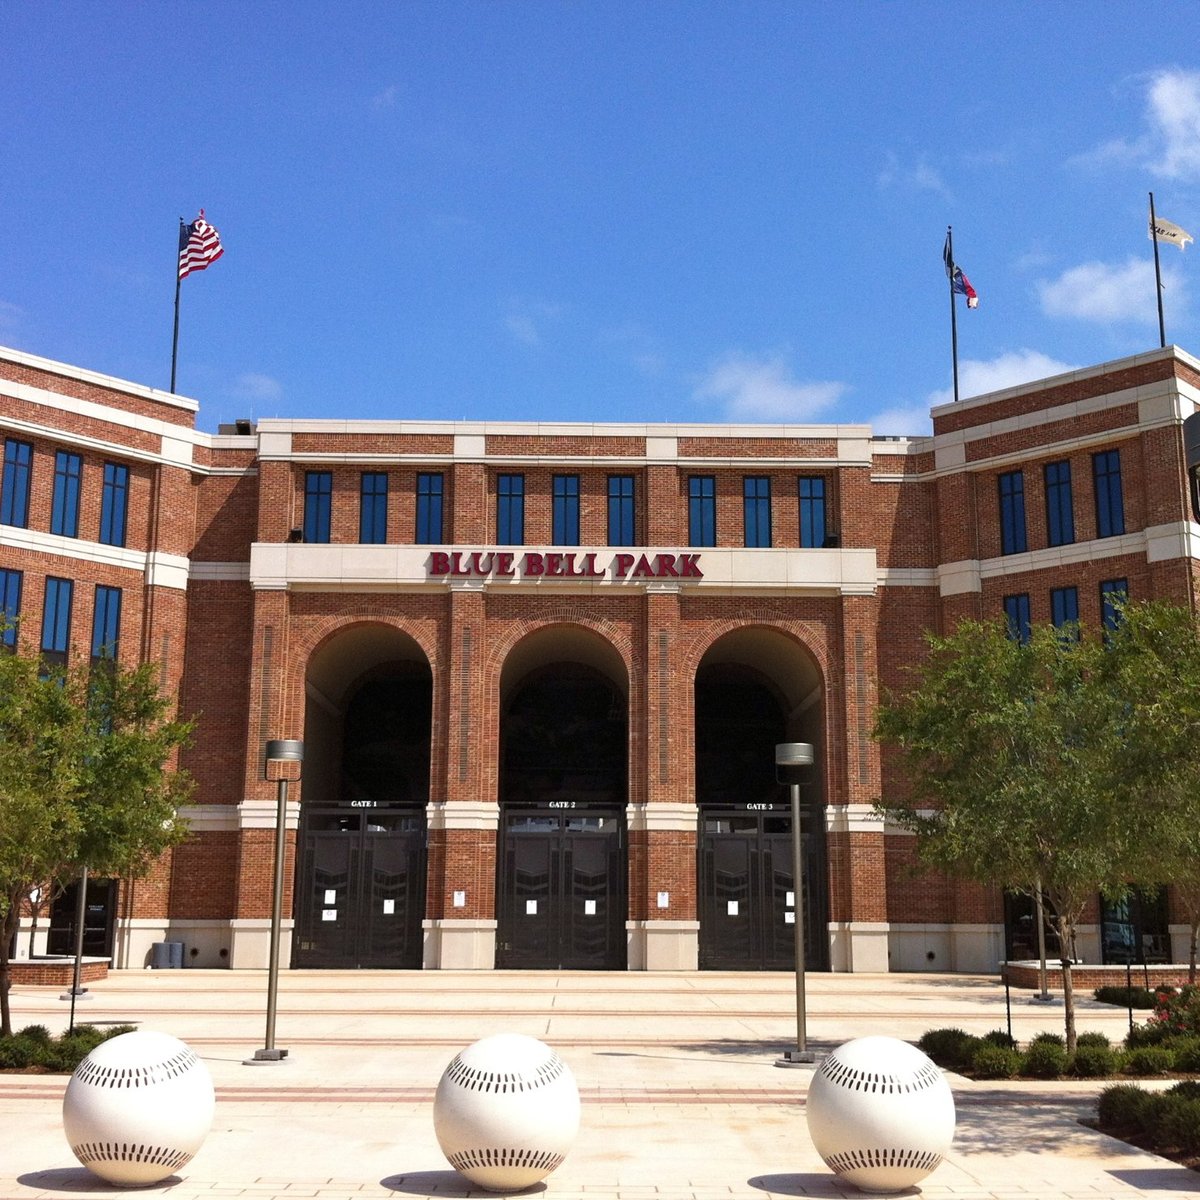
361 862
561 879
754 689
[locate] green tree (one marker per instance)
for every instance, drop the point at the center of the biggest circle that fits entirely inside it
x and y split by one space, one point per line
1034 761
84 781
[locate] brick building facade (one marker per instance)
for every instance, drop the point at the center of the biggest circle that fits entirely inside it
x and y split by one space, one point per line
539 670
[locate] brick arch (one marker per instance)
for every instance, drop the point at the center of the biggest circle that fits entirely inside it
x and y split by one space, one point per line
816 649
520 629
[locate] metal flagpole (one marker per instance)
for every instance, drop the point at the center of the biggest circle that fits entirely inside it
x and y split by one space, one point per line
953 309
175 339
1162 329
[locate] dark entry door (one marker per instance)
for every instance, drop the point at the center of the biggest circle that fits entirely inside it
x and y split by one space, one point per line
360 894
100 912
561 890
747 893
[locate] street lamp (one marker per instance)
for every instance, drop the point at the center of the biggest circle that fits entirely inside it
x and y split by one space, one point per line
277 760
793 761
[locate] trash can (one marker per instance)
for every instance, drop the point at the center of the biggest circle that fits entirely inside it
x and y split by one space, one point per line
176 953
166 955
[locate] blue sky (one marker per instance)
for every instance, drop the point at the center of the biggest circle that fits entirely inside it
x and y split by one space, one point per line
606 211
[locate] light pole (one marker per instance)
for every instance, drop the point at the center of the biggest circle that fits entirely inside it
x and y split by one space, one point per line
793 760
280 754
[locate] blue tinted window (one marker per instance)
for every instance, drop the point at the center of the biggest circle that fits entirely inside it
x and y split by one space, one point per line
620 511
14 499
756 507
1060 512
1110 500
510 510
64 513
702 510
56 619
565 528
318 505
812 511
10 607
1016 609
1113 593
1064 606
1012 513
106 622
429 508
373 506
114 504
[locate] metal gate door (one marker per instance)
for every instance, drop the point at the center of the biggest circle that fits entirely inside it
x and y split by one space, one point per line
561 891
360 889
747 895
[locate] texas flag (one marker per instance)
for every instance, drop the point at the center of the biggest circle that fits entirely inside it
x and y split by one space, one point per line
959 283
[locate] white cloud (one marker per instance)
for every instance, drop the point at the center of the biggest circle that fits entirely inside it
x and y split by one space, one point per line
1098 291
10 314
977 376
762 390
526 320
256 387
911 421
919 176
385 98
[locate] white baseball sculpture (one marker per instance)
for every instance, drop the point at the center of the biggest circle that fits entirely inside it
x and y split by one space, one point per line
138 1108
506 1112
880 1114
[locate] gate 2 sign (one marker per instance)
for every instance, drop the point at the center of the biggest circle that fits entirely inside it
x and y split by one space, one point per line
553 564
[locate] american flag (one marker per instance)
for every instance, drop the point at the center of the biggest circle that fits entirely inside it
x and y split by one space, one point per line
199 245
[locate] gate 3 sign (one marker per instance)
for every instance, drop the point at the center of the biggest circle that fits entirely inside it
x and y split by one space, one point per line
498 564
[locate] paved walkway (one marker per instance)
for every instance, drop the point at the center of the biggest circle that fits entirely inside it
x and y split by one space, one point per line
681 1097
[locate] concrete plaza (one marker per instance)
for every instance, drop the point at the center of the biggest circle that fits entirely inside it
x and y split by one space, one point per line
681 1097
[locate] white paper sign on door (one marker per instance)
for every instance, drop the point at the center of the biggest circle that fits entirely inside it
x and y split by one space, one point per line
329 914
731 908
791 900
531 908
389 907
330 896
589 908
789 918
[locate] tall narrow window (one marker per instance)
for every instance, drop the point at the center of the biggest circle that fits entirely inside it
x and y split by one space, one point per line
64 514
565 525
14 497
1113 593
114 504
1016 610
702 510
318 505
620 511
812 510
756 508
510 510
1064 606
56 620
430 488
1110 500
1012 513
373 506
1060 511
106 623
10 607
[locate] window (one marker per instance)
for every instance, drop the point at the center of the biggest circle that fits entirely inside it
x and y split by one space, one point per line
1012 513
56 620
620 510
430 489
812 511
1113 593
1060 513
1064 606
1016 609
756 507
566 510
64 515
106 622
10 607
1110 502
510 510
373 505
702 510
318 503
114 504
14 499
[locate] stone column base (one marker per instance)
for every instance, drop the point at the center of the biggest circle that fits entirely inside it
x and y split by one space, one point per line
663 945
859 946
459 945
250 943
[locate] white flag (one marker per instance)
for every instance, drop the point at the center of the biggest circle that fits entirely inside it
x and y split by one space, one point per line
1168 231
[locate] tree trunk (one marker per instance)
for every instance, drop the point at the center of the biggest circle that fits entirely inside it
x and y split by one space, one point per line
1192 954
8 927
1064 940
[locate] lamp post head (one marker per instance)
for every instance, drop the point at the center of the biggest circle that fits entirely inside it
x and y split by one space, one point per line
792 761
282 758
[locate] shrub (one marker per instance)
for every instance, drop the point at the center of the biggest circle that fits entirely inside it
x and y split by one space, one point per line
1146 1035
998 1037
1189 1089
1048 1039
949 1048
1187 1053
1149 1060
1120 1106
1151 1115
35 1033
1177 1012
1180 1123
1093 1038
995 1062
34 1047
1133 997
19 1052
1044 1060
1094 1062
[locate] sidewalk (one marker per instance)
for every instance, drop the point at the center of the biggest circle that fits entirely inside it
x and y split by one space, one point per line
681 1098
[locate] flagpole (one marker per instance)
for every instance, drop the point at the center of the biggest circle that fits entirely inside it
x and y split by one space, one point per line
1162 329
953 308
178 281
